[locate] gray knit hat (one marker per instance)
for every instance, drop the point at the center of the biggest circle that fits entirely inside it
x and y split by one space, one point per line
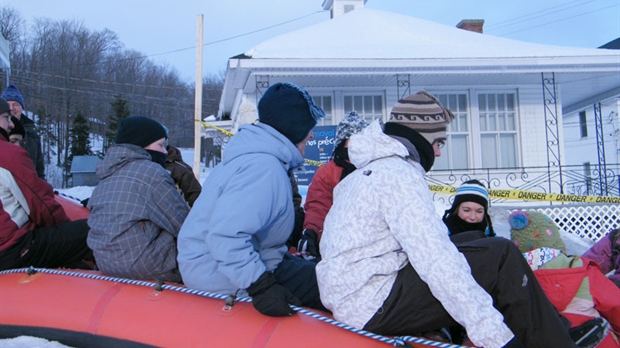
350 125
423 113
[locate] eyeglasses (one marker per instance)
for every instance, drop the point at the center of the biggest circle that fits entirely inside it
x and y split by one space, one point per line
440 143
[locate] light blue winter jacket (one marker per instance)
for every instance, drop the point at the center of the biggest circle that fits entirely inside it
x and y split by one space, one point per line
239 225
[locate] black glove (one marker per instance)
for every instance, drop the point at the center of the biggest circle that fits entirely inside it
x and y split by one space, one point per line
271 298
514 343
308 243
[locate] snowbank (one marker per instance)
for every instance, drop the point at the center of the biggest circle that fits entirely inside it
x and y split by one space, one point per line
29 341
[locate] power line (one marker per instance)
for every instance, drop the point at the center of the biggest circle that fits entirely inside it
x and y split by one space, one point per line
556 9
186 48
119 84
559 20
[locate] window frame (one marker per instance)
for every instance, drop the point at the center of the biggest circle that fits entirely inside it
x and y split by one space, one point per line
583 124
447 150
363 114
516 132
328 120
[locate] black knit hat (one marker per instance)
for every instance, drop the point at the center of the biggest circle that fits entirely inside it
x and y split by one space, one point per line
4 107
290 110
139 130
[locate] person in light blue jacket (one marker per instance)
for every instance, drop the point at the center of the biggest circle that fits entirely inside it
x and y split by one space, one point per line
234 239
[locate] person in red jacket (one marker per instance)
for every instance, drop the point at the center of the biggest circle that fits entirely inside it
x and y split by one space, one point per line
34 229
320 192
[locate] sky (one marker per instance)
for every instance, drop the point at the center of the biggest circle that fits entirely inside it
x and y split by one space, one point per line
166 31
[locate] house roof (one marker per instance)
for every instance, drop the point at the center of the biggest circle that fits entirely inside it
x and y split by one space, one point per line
369 47
84 164
373 34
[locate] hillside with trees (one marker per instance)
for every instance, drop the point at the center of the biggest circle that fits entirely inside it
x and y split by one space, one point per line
78 81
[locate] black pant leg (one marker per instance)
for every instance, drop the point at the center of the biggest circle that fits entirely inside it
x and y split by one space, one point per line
61 245
500 268
410 309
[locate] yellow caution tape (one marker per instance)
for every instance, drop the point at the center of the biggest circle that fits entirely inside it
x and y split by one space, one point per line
313 163
207 125
533 196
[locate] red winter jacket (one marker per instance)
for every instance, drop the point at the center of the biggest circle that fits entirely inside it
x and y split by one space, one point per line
580 291
27 201
321 196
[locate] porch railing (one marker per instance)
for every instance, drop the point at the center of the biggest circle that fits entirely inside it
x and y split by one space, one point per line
566 179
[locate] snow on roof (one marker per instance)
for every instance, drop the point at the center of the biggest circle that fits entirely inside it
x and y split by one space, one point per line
373 34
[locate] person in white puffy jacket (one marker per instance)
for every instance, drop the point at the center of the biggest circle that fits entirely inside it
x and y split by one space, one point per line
388 264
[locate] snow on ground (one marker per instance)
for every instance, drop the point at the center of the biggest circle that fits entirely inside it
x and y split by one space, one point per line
82 192
30 342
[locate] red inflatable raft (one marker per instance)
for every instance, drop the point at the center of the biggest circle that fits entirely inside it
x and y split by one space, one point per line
87 308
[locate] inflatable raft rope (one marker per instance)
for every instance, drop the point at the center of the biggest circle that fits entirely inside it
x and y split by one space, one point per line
160 286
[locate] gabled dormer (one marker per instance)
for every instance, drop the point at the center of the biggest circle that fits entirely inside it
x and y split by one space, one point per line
340 7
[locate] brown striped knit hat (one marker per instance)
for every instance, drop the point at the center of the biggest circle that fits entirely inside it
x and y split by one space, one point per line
423 113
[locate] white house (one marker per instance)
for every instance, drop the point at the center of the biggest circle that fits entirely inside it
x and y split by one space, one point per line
592 142
592 139
508 96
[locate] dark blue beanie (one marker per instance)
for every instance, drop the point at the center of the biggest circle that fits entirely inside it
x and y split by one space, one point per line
290 110
11 93
139 130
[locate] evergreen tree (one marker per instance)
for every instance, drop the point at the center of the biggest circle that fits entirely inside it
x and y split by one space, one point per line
79 136
120 111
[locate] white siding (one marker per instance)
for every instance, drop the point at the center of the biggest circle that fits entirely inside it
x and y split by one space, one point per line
532 125
581 150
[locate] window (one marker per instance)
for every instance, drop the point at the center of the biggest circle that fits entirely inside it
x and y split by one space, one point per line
498 131
325 102
455 155
370 107
583 124
348 8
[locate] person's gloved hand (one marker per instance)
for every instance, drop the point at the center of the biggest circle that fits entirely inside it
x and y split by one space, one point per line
514 343
308 242
271 298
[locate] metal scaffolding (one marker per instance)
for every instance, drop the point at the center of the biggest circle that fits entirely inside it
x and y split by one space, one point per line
600 147
403 85
551 125
261 84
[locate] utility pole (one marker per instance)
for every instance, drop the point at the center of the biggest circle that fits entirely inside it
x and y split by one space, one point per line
198 98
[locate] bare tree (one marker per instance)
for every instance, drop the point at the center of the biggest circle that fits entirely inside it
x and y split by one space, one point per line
11 24
62 67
